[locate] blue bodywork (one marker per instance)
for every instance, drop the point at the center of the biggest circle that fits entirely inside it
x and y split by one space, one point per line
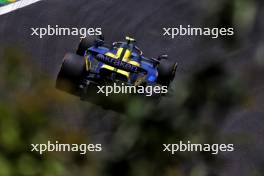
146 64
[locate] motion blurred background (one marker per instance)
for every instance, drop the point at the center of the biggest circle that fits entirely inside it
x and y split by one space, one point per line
217 96
5 2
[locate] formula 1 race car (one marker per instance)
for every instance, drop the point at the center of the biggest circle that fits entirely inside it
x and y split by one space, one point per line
96 63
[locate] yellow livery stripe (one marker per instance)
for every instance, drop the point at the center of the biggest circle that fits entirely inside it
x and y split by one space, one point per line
125 59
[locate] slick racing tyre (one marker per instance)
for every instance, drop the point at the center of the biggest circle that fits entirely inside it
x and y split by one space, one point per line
166 72
71 73
88 42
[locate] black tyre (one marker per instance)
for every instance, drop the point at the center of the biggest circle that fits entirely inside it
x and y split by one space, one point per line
71 73
88 42
166 71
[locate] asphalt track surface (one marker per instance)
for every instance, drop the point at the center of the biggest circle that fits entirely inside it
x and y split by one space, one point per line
144 21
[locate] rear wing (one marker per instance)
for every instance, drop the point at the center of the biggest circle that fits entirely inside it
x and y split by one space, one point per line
119 64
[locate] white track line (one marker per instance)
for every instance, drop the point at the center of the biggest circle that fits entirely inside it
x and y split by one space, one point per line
16 5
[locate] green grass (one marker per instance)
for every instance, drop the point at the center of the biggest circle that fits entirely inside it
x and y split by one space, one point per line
7 1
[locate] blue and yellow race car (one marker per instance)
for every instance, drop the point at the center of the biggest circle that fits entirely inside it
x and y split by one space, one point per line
96 63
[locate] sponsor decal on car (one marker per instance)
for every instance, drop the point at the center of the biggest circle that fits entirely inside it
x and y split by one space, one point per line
120 64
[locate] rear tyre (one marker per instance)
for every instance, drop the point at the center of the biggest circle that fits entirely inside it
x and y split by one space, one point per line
166 72
71 73
88 42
